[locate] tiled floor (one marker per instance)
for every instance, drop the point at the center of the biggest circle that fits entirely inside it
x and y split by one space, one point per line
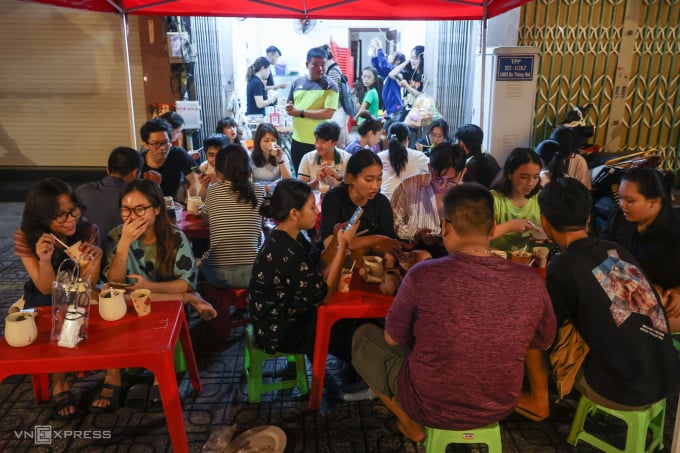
340 427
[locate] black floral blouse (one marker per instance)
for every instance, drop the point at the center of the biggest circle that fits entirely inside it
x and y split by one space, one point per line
285 289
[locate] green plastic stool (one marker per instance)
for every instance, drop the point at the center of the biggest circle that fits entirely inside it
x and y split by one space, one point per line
252 364
637 423
437 439
180 361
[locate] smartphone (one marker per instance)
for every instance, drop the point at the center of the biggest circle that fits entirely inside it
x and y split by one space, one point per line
355 217
196 170
118 284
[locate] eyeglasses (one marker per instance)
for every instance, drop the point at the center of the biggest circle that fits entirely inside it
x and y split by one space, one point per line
157 145
62 217
437 136
441 181
138 210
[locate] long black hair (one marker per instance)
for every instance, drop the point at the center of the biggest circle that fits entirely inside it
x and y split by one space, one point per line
516 158
416 74
258 155
166 248
360 90
226 122
42 206
233 164
397 133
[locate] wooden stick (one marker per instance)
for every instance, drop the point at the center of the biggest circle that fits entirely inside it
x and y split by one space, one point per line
57 239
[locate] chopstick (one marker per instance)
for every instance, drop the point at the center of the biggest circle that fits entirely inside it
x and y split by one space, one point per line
57 239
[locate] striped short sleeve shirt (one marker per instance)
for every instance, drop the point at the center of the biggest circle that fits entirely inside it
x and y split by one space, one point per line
235 226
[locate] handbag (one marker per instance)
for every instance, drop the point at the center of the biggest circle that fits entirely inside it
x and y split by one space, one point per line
566 358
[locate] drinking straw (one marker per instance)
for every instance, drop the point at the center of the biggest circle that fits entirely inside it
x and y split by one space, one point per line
351 269
524 250
57 239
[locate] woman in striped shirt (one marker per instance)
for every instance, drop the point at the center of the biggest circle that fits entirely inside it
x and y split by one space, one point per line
232 209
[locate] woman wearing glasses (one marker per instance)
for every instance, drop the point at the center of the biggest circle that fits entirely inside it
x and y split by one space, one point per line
148 252
418 200
53 212
439 133
515 194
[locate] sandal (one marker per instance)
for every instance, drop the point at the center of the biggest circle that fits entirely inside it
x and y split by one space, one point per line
137 397
113 399
63 401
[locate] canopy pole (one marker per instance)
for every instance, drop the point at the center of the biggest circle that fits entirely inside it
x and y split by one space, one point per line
483 50
128 73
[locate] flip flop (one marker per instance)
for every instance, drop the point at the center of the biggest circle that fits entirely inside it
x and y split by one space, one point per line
528 414
137 397
113 399
59 402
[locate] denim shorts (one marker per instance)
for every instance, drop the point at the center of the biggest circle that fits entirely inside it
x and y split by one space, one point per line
234 276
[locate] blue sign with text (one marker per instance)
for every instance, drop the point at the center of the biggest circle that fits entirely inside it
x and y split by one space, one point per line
515 68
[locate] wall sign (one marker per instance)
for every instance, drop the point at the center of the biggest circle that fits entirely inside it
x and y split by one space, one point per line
515 68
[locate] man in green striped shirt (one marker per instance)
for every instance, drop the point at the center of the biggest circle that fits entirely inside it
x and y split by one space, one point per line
312 99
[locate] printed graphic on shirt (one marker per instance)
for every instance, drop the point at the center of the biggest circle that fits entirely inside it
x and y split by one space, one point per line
629 291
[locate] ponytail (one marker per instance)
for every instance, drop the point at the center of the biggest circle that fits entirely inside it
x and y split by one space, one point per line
259 63
397 133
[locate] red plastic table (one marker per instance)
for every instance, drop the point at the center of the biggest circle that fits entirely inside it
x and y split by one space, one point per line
193 227
131 342
363 300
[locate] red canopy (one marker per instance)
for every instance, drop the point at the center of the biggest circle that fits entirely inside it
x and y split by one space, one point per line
315 9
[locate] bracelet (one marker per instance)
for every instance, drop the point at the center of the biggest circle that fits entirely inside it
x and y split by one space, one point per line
339 247
280 162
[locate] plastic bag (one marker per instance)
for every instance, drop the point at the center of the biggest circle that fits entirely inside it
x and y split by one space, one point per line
422 113
70 306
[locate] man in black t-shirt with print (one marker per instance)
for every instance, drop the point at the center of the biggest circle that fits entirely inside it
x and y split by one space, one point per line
600 287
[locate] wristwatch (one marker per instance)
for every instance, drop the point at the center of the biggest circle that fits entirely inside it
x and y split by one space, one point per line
302 113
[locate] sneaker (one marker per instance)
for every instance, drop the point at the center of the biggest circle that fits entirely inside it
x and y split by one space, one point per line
361 395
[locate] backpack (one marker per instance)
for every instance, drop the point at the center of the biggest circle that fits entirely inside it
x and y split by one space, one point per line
346 100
